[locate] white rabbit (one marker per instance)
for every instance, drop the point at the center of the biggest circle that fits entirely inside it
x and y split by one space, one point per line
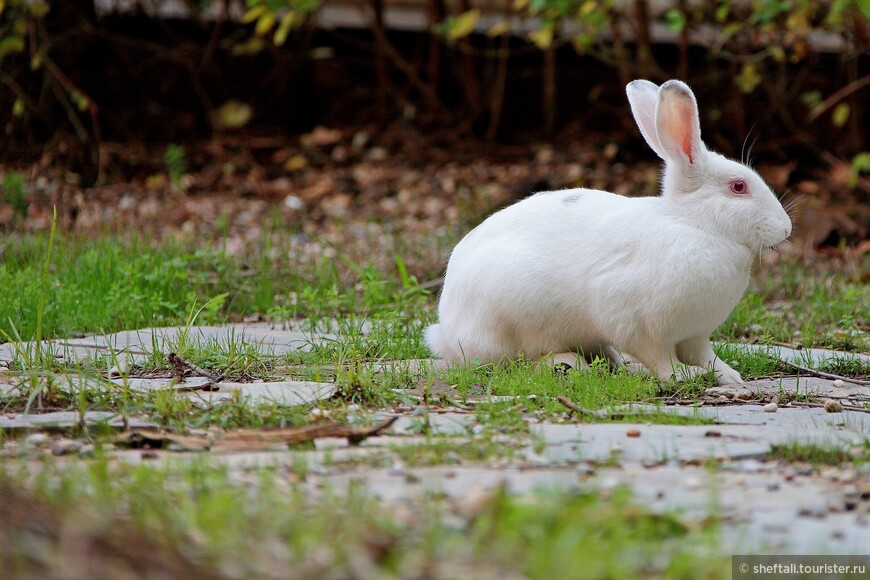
588 271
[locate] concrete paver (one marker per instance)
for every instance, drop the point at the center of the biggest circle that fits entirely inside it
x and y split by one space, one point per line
765 506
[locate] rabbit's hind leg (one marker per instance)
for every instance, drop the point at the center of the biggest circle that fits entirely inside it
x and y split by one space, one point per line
698 352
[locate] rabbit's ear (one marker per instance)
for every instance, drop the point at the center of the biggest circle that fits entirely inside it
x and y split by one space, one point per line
643 97
677 124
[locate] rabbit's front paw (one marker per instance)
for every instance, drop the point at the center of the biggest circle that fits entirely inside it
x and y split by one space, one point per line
726 375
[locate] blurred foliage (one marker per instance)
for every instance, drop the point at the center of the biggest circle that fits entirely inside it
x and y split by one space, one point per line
755 45
14 194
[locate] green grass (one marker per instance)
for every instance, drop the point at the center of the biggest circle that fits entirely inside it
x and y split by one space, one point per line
794 305
197 519
373 312
108 284
750 363
829 453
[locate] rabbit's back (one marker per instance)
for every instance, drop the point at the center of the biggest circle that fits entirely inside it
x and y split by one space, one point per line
569 270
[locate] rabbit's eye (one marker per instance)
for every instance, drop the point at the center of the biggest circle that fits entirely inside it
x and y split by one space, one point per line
738 186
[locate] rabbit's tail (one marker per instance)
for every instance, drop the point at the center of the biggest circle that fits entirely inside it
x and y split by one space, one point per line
434 340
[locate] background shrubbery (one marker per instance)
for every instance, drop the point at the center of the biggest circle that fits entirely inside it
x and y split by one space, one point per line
74 76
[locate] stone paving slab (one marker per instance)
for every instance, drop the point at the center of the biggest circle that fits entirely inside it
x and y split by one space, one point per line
654 444
289 393
766 507
136 344
790 419
67 420
804 355
763 512
799 386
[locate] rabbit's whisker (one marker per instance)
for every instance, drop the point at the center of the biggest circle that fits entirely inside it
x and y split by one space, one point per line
743 156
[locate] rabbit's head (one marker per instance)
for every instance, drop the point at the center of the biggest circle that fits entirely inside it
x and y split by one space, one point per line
704 189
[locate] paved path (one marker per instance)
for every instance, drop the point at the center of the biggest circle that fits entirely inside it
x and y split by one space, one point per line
766 506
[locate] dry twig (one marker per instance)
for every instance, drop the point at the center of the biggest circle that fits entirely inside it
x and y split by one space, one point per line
825 375
182 365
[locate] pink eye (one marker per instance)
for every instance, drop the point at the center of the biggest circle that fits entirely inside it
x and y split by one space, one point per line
738 187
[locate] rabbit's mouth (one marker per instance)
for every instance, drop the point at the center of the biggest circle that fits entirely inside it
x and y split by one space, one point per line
779 246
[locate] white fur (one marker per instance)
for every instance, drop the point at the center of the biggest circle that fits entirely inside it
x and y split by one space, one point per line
586 271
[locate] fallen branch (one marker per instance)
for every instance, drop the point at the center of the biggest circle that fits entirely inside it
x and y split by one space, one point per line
825 375
182 365
574 408
250 439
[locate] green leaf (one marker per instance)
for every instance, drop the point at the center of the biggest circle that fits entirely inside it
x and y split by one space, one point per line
233 114
731 29
811 98
722 11
254 13
11 44
860 164
583 42
81 100
675 20
748 78
776 52
18 108
39 9
463 24
265 23
543 37
840 114
288 21
498 29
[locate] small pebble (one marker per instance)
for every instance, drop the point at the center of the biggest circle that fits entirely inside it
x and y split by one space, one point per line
633 433
743 396
771 408
751 465
585 469
838 383
36 439
818 511
832 406
64 446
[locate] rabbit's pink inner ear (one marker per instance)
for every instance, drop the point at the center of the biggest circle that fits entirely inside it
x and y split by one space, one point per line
687 115
678 123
